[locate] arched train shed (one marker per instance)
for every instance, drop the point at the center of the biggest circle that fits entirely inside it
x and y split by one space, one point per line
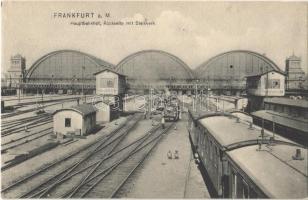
154 65
228 70
65 69
157 70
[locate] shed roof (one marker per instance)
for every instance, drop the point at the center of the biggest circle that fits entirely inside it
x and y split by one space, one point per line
274 170
83 109
283 119
287 101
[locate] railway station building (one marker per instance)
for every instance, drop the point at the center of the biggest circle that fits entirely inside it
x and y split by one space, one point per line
72 72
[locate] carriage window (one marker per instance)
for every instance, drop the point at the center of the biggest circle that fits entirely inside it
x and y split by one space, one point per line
216 156
211 150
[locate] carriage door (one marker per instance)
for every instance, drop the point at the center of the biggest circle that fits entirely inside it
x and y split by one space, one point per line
225 178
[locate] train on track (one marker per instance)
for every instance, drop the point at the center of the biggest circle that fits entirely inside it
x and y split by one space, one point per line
171 109
244 161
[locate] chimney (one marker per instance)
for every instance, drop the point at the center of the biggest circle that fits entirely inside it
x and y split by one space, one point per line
298 155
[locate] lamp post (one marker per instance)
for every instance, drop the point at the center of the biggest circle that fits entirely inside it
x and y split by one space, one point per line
52 83
231 80
208 98
196 88
73 79
19 87
83 68
274 128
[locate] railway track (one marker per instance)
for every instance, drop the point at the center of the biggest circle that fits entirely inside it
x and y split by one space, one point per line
30 97
58 101
103 166
107 182
54 171
10 123
29 124
25 139
77 173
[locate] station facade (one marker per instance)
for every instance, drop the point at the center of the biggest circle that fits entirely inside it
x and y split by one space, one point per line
72 72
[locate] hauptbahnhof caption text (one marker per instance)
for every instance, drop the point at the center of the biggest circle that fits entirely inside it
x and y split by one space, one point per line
98 19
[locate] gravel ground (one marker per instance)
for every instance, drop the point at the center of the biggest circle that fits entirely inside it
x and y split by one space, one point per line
160 177
37 162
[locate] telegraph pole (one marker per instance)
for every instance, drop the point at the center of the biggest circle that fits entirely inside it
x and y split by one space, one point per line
83 68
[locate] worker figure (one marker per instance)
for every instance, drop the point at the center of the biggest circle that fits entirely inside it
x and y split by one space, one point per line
163 122
145 114
176 154
169 155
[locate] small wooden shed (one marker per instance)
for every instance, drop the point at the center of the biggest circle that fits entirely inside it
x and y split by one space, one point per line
107 111
79 120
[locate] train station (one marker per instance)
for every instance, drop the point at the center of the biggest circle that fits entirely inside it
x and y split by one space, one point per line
75 124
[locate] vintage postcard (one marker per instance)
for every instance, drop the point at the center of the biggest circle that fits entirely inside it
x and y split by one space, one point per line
154 99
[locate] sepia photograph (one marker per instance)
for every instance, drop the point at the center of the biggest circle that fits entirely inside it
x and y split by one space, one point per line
154 99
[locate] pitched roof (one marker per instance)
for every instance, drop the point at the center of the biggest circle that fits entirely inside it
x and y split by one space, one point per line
110 70
262 73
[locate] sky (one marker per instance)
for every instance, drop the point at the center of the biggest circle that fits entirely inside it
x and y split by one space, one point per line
193 31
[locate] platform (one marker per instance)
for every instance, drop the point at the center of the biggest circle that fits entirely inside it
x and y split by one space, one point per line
160 177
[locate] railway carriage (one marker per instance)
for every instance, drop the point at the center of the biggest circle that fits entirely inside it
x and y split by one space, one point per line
243 163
